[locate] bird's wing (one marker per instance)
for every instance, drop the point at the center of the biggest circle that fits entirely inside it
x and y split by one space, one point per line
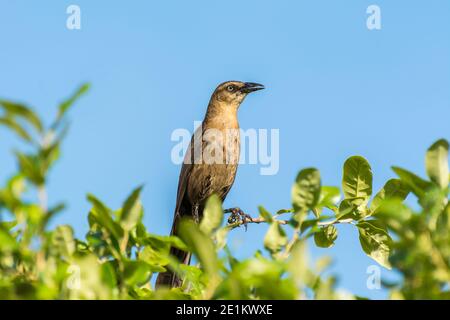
186 169
182 184
181 207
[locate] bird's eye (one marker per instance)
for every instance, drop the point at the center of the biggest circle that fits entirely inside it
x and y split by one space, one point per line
230 88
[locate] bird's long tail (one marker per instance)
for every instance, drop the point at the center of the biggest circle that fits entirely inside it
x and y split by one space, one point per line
169 278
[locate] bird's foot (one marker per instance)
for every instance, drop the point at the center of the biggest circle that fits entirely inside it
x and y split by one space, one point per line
237 215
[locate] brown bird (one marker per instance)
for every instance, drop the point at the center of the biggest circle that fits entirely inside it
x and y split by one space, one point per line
210 163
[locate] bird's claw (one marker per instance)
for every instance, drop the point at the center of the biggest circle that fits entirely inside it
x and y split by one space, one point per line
237 215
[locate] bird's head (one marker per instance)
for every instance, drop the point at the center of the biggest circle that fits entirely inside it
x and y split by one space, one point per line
234 92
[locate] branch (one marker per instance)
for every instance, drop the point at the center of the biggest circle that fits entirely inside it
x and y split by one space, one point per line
247 220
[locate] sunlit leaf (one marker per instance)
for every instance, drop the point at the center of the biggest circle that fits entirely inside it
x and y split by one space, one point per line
201 245
65 105
31 168
298 262
221 237
132 210
102 216
306 189
19 110
52 212
63 240
137 272
157 249
329 196
357 179
275 238
417 185
436 162
326 236
393 189
212 215
16 127
282 211
8 225
393 209
86 279
7 242
160 241
155 256
265 214
48 155
347 210
375 242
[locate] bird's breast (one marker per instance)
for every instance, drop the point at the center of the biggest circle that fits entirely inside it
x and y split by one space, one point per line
216 170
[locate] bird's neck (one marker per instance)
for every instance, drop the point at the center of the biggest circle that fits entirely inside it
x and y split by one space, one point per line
221 115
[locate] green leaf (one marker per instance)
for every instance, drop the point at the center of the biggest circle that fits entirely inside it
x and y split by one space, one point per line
323 263
193 277
31 167
282 211
8 225
329 196
155 256
16 185
101 215
265 214
10 195
132 210
417 185
48 155
393 189
436 162
86 279
311 223
7 241
306 189
161 241
298 262
275 238
262 278
394 209
136 272
108 274
157 249
326 236
212 215
65 105
201 245
357 180
16 127
22 111
221 237
324 289
375 242
63 240
51 213
348 210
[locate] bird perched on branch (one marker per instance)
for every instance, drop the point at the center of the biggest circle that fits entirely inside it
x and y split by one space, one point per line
210 163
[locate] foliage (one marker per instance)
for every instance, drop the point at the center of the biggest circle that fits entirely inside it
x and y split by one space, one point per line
118 257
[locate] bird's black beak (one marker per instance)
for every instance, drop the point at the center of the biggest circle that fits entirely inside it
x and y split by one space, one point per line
251 87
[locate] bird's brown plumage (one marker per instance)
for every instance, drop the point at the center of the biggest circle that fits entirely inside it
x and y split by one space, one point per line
211 162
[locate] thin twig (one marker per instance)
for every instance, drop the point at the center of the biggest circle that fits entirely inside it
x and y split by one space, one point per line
282 222
253 220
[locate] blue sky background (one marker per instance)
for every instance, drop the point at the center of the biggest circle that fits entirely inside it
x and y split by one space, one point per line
334 89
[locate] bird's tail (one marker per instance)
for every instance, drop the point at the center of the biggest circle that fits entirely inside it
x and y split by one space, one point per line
169 278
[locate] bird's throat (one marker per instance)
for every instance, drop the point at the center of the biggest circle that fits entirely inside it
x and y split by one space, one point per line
221 115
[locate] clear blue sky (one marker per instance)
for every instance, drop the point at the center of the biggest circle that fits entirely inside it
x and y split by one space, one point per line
334 89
